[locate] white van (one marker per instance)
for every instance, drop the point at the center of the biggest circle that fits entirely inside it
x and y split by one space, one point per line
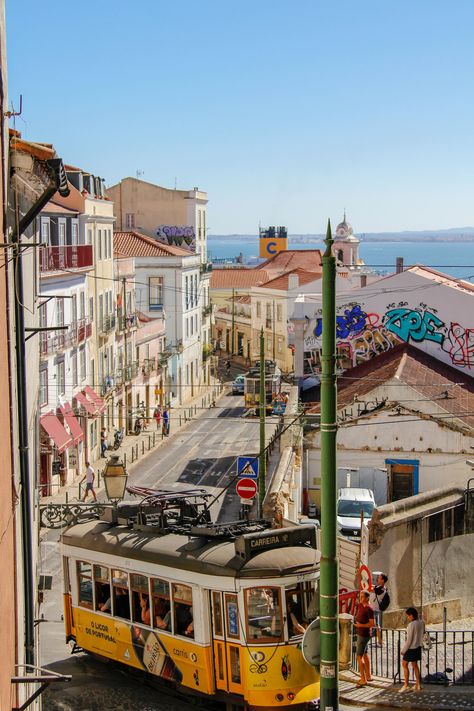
350 502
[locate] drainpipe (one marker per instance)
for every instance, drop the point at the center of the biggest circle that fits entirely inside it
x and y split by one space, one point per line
58 176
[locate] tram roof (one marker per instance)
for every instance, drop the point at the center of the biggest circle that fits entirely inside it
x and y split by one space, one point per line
195 554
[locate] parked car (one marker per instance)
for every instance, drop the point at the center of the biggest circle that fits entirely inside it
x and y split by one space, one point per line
350 503
238 385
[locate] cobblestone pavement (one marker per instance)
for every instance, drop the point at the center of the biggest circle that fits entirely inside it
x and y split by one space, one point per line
98 685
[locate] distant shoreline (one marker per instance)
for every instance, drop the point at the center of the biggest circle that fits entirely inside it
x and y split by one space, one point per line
317 240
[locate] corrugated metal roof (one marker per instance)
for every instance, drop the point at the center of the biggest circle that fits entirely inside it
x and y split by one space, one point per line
135 244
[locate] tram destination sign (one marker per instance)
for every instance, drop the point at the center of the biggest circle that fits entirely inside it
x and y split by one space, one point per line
251 544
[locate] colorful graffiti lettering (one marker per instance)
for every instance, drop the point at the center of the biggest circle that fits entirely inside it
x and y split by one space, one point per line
459 344
371 343
417 325
353 321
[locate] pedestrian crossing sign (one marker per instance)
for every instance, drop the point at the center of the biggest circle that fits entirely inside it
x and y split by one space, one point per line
247 467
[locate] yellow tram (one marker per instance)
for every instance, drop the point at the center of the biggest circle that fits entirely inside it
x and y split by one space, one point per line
208 611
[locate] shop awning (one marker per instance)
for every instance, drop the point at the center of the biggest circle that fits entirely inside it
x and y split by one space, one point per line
56 431
73 424
92 395
90 407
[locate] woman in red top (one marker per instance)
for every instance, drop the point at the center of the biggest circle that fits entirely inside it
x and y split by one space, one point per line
363 624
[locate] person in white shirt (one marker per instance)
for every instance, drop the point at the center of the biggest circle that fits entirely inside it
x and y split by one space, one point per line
89 476
411 650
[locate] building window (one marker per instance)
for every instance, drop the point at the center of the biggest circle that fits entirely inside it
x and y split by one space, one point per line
60 378
186 291
62 233
130 221
155 293
45 231
82 362
74 369
259 309
75 233
89 236
280 345
279 312
60 312
43 387
91 309
99 245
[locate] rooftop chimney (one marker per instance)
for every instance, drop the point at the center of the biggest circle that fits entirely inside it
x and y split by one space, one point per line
363 280
293 281
399 266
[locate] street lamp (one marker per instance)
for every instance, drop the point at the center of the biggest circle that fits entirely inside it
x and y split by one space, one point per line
115 479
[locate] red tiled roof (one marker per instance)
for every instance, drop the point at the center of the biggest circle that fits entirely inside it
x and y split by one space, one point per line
135 244
288 259
245 299
281 282
425 374
237 278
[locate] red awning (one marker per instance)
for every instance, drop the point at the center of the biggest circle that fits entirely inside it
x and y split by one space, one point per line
56 431
71 421
96 399
89 407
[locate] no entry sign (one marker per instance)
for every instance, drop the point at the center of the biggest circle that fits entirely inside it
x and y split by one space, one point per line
246 488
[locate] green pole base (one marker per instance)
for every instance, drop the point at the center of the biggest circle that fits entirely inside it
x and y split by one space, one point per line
329 700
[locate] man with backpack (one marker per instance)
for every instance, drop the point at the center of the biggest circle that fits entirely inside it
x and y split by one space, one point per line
380 601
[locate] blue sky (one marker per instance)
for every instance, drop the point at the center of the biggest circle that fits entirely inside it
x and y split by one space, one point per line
284 111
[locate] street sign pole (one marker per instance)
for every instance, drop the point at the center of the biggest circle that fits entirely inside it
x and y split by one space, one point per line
262 398
329 569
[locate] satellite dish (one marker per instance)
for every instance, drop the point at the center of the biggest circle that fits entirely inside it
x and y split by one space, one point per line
311 644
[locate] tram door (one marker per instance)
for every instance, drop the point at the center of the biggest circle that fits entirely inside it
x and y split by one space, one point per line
218 641
226 642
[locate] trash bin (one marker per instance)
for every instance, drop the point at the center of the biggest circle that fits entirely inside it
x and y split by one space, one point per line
345 640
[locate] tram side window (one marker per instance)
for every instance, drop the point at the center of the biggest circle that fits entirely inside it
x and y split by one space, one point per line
102 588
84 584
183 610
120 594
161 599
294 611
264 620
140 599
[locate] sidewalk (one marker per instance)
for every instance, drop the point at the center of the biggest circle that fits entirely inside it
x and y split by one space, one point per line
135 447
382 692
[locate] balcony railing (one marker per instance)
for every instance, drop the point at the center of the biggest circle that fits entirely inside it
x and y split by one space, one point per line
107 324
205 268
206 310
148 367
57 259
78 332
126 322
107 385
130 371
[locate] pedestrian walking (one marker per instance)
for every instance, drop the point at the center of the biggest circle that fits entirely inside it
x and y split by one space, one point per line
103 442
363 624
89 478
380 600
157 416
411 650
166 422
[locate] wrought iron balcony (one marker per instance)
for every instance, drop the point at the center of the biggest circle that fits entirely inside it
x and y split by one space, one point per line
206 310
107 324
205 268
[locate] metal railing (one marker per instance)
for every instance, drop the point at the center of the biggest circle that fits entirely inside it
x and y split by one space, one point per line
107 324
450 649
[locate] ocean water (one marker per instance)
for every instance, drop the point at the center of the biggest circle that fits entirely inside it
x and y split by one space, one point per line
454 258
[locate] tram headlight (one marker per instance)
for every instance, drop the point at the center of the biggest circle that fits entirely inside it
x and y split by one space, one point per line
279 697
115 479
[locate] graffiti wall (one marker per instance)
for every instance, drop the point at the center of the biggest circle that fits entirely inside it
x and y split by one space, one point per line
362 333
178 235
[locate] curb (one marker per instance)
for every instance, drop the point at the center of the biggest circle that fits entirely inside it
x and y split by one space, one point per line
381 693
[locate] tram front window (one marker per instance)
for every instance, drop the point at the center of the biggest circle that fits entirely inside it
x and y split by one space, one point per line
264 618
120 594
